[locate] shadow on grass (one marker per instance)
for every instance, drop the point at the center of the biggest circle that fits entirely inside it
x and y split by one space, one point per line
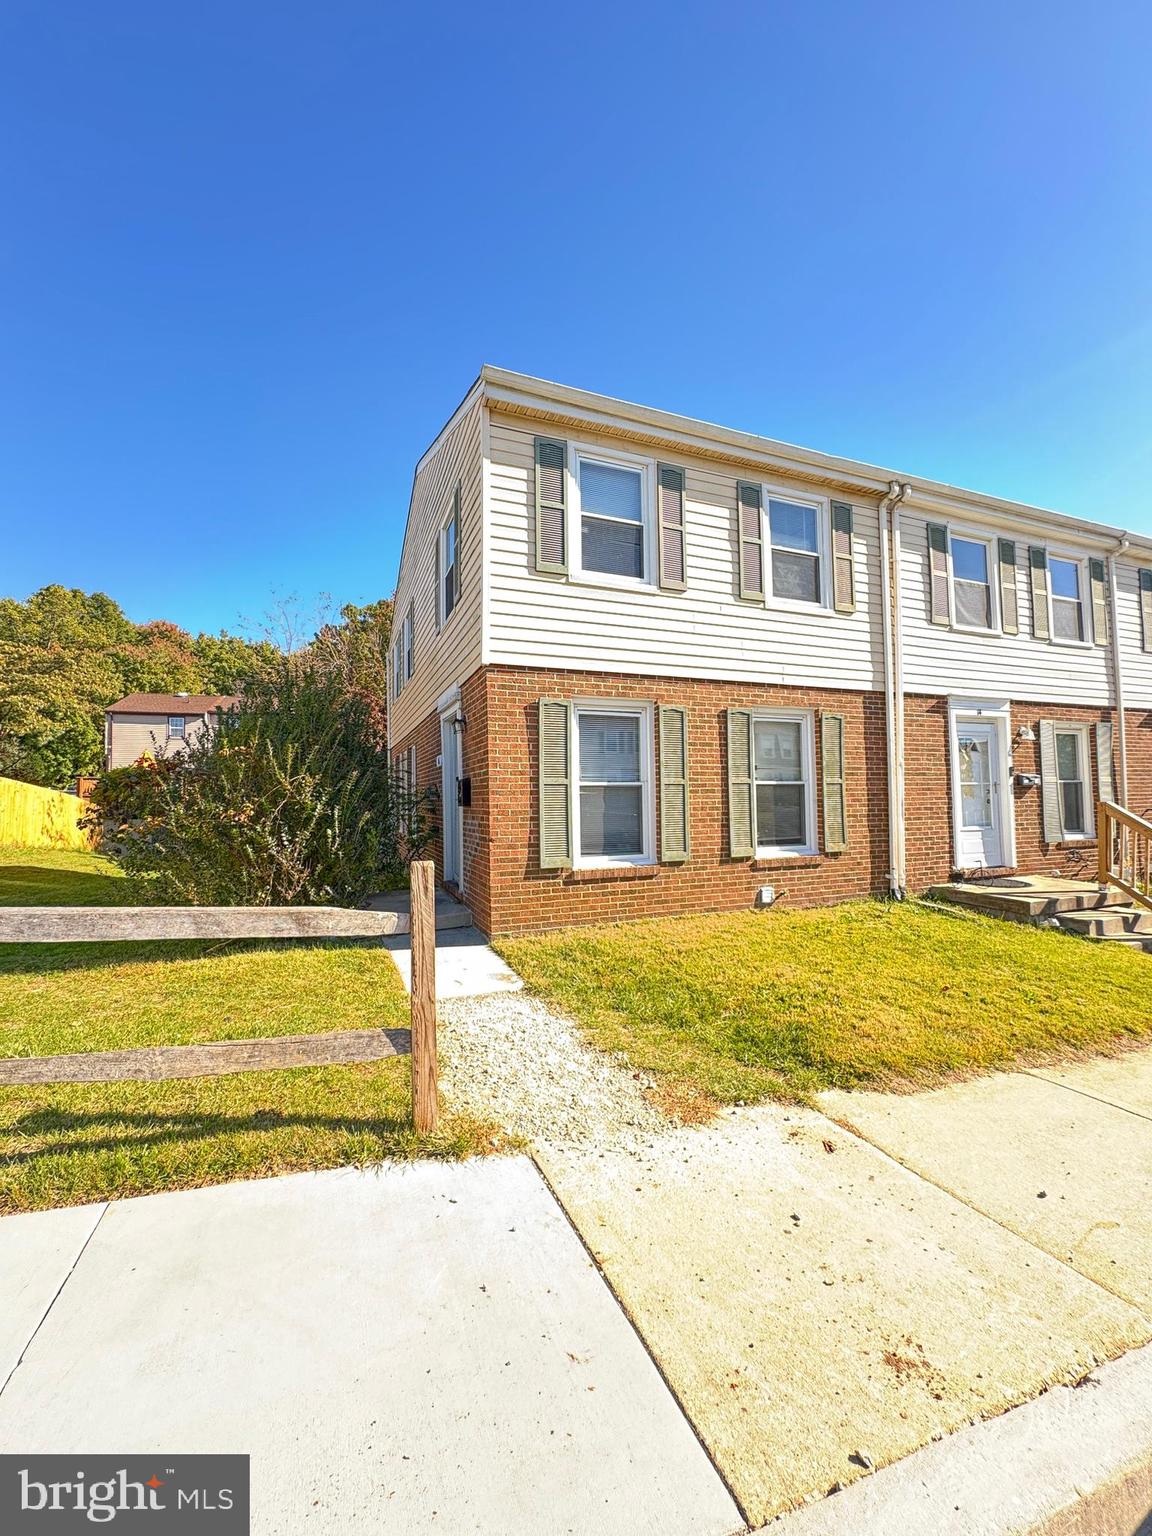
158 1129
52 959
40 885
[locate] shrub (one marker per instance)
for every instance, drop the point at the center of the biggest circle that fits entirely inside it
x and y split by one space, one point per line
290 801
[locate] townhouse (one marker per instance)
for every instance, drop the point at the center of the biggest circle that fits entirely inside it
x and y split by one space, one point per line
649 665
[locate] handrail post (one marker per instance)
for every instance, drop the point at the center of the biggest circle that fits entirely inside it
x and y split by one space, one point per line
1103 842
425 1106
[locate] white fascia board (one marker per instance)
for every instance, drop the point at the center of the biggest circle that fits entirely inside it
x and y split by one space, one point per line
501 385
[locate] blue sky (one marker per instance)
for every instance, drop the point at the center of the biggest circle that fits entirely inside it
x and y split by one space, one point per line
252 254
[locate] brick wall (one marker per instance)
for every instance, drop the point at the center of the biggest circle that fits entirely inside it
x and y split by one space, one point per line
523 896
508 892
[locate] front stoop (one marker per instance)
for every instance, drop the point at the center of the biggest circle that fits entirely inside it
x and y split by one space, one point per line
450 913
1078 906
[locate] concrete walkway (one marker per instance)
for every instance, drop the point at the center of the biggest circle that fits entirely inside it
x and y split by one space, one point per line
409 1350
466 964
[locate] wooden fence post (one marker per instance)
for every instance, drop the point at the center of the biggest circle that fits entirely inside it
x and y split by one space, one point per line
423 922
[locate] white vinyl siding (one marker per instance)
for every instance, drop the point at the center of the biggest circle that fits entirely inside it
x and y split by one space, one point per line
952 660
705 631
130 736
445 658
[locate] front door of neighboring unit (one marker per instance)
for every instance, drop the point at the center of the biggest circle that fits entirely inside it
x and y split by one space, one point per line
980 813
449 789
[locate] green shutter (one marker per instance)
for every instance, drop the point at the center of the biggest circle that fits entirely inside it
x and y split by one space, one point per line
750 540
938 605
554 718
832 773
1050 784
1145 576
741 805
674 834
1038 572
551 506
843 565
1099 602
1009 598
670 535
1104 761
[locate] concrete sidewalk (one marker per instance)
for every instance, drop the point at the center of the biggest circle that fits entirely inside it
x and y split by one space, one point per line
466 965
410 1349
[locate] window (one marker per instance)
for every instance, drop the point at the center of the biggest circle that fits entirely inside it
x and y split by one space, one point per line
972 606
795 550
176 726
1071 756
406 645
782 750
397 666
1067 598
614 777
613 499
449 574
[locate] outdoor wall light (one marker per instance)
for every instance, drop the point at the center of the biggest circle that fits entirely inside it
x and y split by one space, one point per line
1025 733
459 725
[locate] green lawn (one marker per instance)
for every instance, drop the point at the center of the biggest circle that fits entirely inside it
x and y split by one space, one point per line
869 994
64 1144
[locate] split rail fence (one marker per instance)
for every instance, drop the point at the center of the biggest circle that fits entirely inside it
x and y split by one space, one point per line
115 925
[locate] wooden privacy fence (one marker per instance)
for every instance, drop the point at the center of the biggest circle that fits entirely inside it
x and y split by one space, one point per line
96 925
34 817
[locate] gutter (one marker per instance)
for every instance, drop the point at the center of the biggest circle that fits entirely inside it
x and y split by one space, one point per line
889 514
1118 672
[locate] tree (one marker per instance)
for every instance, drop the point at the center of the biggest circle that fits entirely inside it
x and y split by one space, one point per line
65 655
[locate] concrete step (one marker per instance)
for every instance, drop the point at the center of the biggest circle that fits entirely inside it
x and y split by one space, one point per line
1031 903
1112 922
450 913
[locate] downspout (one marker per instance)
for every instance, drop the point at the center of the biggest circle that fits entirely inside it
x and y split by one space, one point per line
1118 672
893 681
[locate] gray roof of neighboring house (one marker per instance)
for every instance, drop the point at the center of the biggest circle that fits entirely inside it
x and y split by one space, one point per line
171 703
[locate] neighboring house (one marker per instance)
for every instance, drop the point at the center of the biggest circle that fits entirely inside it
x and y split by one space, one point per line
158 723
653 665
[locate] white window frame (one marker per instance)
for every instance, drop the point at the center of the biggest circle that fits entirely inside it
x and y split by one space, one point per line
617 460
992 556
806 719
406 645
397 667
1083 736
442 611
1081 563
823 508
182 733
647 783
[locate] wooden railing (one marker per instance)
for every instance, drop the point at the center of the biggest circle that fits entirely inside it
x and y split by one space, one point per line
1125 844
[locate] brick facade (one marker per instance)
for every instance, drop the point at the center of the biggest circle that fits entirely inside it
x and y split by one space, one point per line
508 892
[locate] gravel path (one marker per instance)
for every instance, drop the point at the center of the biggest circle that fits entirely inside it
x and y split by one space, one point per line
511 1059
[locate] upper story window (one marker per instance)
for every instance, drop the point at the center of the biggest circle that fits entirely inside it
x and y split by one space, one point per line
613 497
397 666
972 601
782 750
1067 587
449 565
796 546
176 726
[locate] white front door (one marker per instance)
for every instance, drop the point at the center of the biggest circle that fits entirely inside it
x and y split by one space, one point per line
449 789
980 810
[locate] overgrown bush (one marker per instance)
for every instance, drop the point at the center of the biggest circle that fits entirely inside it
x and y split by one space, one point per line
290 801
